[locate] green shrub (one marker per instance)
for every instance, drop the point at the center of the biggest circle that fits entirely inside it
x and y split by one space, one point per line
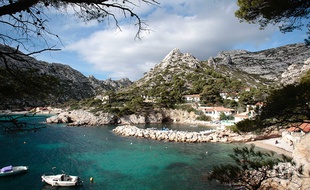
233 128
246 125
187 108
203 117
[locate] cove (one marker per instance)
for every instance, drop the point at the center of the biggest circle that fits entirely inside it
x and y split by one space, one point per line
114 162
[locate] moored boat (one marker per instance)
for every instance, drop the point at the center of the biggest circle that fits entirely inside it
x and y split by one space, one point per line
11 170
61 180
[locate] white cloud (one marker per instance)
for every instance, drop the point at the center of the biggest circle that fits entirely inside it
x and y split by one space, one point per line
200 27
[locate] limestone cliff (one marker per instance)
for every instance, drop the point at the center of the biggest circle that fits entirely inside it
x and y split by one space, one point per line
267 64
277 66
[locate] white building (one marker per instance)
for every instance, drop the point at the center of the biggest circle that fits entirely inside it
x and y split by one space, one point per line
192 98
215 112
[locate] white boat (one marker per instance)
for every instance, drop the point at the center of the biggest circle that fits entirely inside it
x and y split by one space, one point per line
61 180
11 170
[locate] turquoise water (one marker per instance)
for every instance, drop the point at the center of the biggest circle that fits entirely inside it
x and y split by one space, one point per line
115 162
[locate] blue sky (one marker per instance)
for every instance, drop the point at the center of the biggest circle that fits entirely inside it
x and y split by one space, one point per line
200 27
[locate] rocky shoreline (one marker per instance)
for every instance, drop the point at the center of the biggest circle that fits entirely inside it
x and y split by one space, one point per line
126 128
83 117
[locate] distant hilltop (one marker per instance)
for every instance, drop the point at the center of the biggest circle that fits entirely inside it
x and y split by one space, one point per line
184 72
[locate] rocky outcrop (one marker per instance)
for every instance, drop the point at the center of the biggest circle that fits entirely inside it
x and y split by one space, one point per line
297 180
175 57
173 64
81 117
108 85
268 64
294 72
301 156
178 116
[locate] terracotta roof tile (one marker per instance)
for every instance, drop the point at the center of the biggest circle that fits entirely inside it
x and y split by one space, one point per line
305 127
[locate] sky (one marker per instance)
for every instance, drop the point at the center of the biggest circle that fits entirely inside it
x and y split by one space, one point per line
200 27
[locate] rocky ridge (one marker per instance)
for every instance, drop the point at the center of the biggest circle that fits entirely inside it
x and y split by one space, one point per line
266 67
282 65
66 82
267 64
102 86
175 63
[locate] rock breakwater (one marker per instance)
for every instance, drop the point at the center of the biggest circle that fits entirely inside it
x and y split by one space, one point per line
181 136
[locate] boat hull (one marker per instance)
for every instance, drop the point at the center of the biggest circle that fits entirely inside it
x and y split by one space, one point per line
15 170
61 180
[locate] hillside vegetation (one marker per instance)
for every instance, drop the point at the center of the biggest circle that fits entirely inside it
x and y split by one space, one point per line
181 74
271 76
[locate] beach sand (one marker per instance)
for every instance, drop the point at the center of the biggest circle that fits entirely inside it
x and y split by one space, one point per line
281 147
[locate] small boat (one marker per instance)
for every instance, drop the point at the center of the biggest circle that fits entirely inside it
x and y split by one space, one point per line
11 170
61 180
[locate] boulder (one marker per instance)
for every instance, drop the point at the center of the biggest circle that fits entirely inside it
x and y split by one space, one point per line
132 119
82 117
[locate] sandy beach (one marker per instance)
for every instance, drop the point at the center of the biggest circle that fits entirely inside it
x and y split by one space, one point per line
281 147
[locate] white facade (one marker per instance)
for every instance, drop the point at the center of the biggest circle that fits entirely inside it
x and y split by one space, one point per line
192 98
215 112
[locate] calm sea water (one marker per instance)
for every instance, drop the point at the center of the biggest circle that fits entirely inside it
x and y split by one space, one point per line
115 162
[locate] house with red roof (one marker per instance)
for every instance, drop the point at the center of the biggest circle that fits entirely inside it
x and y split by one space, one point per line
293 134
241 116
215 112
303 128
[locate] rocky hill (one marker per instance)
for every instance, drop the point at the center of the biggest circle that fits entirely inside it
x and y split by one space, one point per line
282 65
27 82
108 85
274 65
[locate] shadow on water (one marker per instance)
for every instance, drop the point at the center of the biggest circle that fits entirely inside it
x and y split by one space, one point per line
176 165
